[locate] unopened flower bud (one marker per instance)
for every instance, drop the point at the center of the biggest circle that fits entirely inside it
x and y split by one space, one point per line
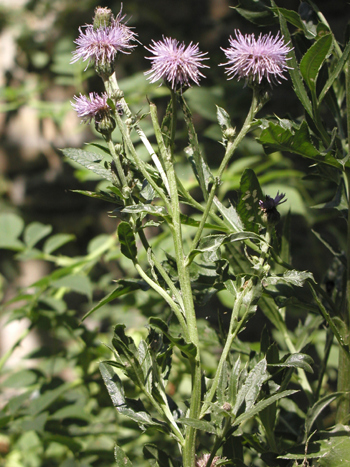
229 133
106 125
227 406
103 17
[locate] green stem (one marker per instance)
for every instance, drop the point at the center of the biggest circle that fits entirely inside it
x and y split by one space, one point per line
173 120
343 409
167 280
205 215
218 441
117 162
232 146
190 200
303 381
230 150
139 163
234 329
184 279
166 297
318 122
112 88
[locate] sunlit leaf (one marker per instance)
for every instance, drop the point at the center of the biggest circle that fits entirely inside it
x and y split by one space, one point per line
312 61
90 161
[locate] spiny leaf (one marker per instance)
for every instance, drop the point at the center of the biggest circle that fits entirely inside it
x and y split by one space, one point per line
296 140
188 349
262 405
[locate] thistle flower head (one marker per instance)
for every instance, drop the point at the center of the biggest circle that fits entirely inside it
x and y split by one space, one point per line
92 107
270 215
101 45
175 63
255 59
271 203
202 460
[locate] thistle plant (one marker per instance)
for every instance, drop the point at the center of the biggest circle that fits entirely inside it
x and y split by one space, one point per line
253 406
238 244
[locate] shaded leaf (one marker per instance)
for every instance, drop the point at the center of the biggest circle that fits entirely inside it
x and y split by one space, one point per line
297 360
317 409
121 458
188 349
332 449
223 117
155 456
127 240
199 166
294 18
202 425
133 409
230 216
146 208
124 287
248 206
105 196
292 276
335 73
255 11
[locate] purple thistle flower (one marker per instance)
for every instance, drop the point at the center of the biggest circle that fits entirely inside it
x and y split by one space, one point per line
203 460
255 59
270 204
92 107
101 45
174 63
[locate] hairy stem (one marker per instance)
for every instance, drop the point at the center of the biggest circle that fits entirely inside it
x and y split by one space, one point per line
184 279
166 297
230 150
344 362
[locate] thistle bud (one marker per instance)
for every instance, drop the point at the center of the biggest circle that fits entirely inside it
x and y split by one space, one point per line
103 17
229 133
270 215
106 125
